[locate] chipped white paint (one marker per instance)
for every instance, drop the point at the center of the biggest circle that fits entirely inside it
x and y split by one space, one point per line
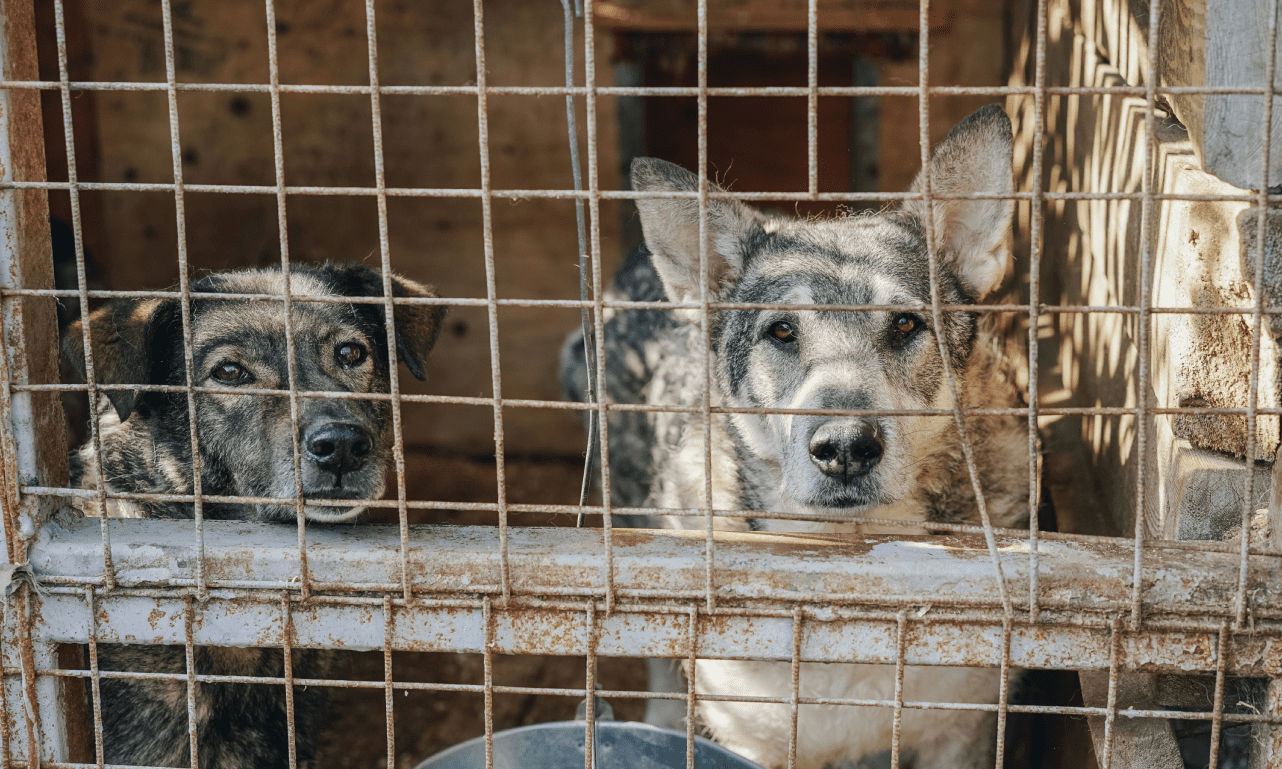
850 586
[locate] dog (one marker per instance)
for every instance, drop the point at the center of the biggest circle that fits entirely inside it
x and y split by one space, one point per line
246 448
825 472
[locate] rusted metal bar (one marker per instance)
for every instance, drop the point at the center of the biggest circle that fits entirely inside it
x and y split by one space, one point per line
566 194
595 371
901 644
287 659
389 707
1034 326
692 655
82 286
589 686
794 709
705 318
291 359
933 257
659 91
845 586
1147 214
491 288
184 299
636 305
487 643
389 310
656 408
907 526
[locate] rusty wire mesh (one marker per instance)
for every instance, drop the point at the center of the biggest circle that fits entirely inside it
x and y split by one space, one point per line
597 604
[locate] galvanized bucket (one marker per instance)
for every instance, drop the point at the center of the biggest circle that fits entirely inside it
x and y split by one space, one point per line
559 745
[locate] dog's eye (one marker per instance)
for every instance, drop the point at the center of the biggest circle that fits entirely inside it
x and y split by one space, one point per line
228 372
350 354
906 324
784 331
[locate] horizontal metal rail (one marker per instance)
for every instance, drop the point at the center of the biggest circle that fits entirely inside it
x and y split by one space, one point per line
849 589
783 91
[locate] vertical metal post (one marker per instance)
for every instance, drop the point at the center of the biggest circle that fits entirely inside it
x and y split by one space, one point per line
1266 748
33 448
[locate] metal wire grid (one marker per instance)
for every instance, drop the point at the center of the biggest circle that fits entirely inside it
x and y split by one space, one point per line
23 707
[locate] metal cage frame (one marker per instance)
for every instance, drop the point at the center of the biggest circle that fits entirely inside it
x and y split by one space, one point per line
1020 598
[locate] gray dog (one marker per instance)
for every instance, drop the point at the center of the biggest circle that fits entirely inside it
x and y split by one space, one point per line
817 469
246 449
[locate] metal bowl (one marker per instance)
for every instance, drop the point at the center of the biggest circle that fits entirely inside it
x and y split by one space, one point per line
557 745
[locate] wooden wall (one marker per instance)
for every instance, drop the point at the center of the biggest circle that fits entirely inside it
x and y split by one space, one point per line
1092 255
429 141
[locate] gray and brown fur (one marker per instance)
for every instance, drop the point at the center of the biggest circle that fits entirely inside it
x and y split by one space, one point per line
826 472
246 448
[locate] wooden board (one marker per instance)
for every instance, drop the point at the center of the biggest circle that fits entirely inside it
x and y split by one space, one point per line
1219 43
428 141
431 141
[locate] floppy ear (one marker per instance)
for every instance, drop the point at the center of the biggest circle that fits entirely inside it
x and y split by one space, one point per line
975 158
671 228
133 342
417 326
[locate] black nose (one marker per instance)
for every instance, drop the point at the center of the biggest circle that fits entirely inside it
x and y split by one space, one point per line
846 451
339 448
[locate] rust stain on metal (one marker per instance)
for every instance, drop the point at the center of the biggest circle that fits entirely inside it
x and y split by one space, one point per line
959 629
27 654
561 633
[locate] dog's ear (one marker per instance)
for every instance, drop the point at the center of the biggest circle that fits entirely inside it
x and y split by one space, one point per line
133 343
975 158
671 228
417 326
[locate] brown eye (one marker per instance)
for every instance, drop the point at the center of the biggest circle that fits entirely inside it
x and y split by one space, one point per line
784 331
905 324
350 354
228 372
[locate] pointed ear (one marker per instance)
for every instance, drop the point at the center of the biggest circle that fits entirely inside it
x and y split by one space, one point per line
417 326
133 342
975 158
671 228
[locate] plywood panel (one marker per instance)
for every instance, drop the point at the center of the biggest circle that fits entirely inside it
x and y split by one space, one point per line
429 141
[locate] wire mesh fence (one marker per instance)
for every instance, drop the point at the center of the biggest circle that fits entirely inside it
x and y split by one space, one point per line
972 594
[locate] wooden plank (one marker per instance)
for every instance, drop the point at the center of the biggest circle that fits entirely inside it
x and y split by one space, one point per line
1212 44
35 449
35 444
1236 55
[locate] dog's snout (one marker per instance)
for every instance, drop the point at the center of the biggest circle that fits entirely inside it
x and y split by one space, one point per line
339 448
845 451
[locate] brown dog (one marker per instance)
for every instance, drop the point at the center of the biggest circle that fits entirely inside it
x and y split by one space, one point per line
246 444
